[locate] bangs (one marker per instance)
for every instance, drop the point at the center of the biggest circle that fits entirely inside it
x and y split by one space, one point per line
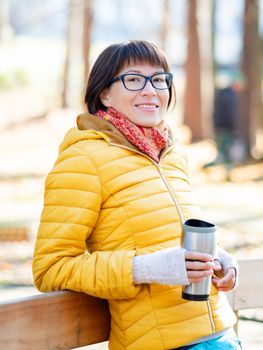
136 52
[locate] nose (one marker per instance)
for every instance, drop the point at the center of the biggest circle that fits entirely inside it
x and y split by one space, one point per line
148 89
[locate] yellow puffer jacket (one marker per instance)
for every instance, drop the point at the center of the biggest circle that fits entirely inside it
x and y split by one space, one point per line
104 203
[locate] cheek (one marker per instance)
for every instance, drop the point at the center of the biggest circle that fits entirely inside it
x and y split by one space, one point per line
120 98
121 104
164 98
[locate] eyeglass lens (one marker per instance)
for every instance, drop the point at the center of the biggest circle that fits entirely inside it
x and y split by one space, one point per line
137 82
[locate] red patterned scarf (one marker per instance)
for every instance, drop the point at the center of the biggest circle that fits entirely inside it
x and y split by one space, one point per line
150 141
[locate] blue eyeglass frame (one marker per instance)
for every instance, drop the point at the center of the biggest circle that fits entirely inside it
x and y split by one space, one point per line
147 78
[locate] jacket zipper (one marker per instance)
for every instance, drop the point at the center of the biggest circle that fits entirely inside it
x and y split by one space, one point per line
171 194
176 204
210 316
161 174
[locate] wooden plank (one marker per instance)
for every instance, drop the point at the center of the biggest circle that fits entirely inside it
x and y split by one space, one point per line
249 293
56 320
66 320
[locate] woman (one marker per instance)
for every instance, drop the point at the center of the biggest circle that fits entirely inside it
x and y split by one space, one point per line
114 205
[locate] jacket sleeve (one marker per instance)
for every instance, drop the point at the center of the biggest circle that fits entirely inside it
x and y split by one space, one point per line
72 204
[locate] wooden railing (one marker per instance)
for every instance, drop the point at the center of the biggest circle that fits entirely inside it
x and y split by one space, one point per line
67 320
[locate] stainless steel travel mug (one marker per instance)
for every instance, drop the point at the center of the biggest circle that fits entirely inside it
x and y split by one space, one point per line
199 236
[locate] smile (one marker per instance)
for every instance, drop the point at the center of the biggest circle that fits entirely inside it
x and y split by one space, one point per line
149 107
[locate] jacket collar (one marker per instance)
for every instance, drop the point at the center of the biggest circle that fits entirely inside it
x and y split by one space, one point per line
88 121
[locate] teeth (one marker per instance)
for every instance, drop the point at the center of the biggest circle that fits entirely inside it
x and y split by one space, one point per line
147 106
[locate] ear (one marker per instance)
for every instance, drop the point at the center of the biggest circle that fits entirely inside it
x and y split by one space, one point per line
105 97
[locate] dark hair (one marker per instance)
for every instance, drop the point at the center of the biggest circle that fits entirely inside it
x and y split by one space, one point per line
112 60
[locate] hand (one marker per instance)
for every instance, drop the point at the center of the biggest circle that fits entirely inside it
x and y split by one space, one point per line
199 266
227 282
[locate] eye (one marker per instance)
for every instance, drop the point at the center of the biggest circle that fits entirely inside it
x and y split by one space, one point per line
159 79
133 78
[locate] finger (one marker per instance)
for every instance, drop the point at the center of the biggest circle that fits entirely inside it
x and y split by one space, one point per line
225 284
221 289
197 276
217 266
190 255
222 282
214 280
198 265
229 278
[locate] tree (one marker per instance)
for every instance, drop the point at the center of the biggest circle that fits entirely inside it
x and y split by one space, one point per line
206 16
164 24
192 98
87 27
65 99
252 116
5 27
77 41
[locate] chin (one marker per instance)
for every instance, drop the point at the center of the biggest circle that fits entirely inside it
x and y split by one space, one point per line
152 123
145 119
148 121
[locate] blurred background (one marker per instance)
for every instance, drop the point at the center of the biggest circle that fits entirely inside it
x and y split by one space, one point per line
215 48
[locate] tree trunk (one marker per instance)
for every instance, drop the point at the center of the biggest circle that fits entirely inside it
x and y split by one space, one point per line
206 13
251 65
192 98
87 27
165 24
5 27
73 75
66 76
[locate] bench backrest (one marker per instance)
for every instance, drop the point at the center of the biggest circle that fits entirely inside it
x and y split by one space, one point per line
56 320
66 320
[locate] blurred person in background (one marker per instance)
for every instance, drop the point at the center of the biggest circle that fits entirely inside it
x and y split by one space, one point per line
226 117
114 205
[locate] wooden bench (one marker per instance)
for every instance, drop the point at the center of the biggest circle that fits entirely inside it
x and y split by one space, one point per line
67 320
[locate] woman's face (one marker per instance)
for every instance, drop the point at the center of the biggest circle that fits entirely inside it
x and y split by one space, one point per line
145 107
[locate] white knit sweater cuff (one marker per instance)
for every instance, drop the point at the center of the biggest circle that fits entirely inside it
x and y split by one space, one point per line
228 262
166 267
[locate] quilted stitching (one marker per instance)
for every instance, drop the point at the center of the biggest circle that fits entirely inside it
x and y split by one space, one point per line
113 202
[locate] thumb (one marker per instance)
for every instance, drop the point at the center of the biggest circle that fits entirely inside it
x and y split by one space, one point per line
217 266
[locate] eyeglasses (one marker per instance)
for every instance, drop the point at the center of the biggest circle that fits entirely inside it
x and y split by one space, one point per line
136 82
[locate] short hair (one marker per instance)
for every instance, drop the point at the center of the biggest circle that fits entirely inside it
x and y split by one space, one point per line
112 60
